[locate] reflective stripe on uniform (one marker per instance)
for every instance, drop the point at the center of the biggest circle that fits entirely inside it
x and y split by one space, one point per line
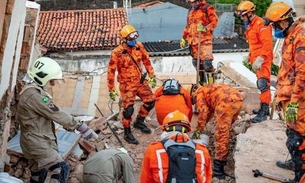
202 164
159 159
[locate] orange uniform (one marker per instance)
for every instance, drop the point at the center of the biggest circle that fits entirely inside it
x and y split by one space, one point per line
206 15
291 77
129 75
155 163
169 103
259 38
224 103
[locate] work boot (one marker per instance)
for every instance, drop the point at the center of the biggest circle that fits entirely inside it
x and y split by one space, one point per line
218 169
262 114
288 165
255 111
202 78
139 124
129 137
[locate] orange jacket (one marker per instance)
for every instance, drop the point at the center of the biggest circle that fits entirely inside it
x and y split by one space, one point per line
128 71
155 163
205 15
208 97
291 76
259 38
169 103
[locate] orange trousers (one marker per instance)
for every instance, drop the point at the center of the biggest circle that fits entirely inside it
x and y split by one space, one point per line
129 91
265 72
225 115
206 50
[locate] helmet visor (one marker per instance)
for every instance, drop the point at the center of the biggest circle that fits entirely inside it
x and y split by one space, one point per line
240 13
132 36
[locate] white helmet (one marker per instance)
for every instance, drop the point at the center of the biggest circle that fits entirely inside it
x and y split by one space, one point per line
43 70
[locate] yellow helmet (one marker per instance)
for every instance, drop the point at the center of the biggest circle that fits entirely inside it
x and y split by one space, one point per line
245 7
278 11
43 70
176 121
129 31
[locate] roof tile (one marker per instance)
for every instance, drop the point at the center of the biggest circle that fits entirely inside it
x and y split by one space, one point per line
81 29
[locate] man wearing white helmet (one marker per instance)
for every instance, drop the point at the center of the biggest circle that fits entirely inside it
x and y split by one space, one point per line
35 114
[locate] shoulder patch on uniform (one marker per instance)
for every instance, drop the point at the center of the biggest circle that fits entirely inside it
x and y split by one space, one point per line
45 99
53 107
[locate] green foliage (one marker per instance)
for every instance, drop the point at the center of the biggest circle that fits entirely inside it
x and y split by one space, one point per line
261 6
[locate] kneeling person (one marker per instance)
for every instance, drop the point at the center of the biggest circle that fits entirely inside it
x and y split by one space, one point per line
161 162
172 96
109 166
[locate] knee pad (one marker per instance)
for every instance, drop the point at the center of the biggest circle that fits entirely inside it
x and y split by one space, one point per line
208 66
63 174
293 141
262 84
41 175
149 105
127 113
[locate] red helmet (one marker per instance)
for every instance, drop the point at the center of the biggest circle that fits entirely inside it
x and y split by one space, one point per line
176 121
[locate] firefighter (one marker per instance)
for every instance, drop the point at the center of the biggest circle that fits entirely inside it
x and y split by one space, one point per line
155 164
36 112
201 18
110 165
127 59
172 96
291 80
224 103
260 57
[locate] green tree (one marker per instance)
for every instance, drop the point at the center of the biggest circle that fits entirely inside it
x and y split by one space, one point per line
261 6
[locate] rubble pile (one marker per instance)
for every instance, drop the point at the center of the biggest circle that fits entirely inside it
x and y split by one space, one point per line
20 167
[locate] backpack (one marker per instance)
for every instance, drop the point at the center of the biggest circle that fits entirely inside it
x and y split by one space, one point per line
171 87
182 161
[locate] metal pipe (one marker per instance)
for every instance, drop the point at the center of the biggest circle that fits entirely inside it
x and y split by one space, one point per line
107 119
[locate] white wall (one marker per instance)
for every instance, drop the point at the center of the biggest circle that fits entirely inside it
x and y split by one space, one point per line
12 48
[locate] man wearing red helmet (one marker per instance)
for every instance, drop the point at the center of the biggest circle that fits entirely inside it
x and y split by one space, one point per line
155 165
291 80
259 38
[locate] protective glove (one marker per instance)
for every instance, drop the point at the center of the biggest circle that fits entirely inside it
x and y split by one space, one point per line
201 28
152 81
86 132
113 94
291 113
182 43
196 134
246 59
257 63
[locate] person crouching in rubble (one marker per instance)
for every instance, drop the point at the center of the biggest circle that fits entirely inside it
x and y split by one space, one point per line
35 114
172 96
225 103
109 166
175 157
127 59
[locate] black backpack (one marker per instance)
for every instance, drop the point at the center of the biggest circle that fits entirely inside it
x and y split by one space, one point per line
182 161
171 87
